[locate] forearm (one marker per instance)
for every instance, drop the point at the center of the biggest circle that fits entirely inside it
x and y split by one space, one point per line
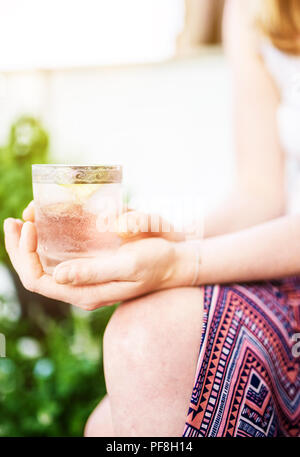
267 251
240 211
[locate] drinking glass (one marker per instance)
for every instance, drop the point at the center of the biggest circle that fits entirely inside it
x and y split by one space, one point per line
75 210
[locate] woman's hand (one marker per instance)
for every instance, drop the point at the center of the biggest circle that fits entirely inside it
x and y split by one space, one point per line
132 225
136 268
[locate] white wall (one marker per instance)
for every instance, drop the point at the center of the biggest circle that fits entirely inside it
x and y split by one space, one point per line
54 33
168 124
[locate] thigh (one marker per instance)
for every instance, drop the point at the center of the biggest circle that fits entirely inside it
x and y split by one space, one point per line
151 346
248 382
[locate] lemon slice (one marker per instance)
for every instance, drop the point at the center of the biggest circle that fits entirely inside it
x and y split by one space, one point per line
82 191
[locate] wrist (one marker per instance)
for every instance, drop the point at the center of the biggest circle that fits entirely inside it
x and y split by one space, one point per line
188 259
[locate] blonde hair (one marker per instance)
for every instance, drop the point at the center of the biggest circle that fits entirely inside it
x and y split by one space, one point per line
279 20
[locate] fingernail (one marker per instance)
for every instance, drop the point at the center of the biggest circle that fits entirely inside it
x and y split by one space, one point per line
7 222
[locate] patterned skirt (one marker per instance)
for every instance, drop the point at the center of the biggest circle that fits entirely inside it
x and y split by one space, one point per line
247 381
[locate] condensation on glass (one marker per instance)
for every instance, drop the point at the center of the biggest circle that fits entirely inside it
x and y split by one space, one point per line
76 208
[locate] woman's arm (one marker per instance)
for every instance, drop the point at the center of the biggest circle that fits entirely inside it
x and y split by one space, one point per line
267 251
258 190
271 250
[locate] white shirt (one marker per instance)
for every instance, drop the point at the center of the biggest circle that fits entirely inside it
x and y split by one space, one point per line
285 70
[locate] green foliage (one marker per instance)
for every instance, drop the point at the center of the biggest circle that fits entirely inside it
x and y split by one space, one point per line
52 377
27 143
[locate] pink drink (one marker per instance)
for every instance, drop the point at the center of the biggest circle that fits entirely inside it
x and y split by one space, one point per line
67 211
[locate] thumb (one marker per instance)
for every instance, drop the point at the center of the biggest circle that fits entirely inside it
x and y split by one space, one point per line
86 271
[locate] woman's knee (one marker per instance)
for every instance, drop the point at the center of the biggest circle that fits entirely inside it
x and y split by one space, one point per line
99 422
140 328
151 348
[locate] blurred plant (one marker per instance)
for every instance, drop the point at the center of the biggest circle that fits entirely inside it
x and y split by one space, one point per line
27 143
52 377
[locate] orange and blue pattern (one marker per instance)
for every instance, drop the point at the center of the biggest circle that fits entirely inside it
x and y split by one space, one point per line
247 381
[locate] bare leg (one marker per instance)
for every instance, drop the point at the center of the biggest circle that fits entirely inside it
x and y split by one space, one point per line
100 422
151 346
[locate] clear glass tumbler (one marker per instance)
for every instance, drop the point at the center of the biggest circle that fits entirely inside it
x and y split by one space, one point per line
75 210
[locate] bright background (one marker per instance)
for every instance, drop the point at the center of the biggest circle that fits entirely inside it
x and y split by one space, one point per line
103 77
105 81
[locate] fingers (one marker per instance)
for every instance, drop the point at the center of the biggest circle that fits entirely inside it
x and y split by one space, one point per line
31 266
108 267
28 213
28 238
88 296
12 233
21 243
108 294
134 224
